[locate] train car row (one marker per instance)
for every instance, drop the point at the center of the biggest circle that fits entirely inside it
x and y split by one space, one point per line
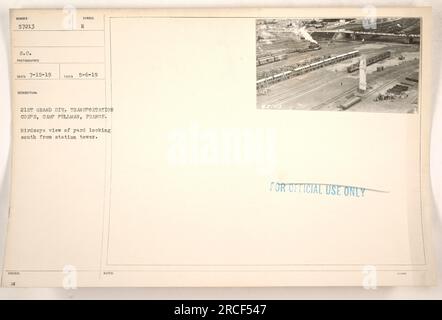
304 69
269 59
371 60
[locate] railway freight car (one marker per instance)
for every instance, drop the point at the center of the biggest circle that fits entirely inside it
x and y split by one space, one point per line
355 66
349 103
270 58
261 83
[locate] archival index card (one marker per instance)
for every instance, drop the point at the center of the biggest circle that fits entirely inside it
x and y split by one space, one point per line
227 147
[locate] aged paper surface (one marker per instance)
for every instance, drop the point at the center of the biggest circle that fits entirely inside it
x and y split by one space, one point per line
245 147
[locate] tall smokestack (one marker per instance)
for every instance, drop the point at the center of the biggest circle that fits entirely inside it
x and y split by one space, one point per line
363 75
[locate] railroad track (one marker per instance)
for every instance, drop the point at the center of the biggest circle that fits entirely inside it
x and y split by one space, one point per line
397 74
287 94
334 99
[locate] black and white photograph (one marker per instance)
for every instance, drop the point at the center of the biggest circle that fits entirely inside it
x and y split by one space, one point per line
342 64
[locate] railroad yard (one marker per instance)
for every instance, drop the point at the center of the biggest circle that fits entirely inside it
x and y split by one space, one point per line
338 65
